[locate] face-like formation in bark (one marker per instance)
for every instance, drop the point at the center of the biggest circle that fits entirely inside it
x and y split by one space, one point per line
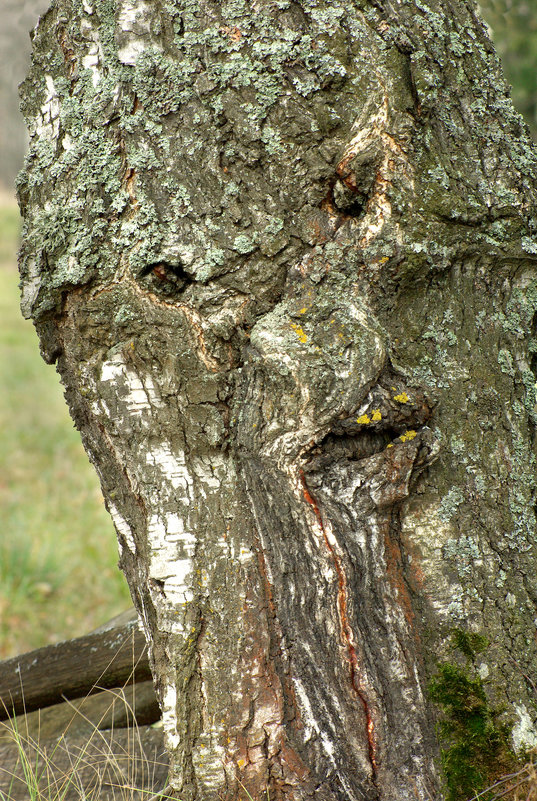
215 201
215 210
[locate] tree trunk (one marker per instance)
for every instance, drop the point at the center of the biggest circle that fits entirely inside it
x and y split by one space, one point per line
283 254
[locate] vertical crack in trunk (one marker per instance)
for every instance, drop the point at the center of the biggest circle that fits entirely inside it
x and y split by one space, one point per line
347 633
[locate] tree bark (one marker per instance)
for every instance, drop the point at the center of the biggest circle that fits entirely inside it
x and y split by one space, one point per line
283 254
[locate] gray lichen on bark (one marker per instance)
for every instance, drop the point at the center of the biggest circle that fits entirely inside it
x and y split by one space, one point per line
283 254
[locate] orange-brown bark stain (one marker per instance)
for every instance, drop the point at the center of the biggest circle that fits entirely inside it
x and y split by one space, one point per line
129 180
398 462
232 32
68 51
289 759
394 572
255 727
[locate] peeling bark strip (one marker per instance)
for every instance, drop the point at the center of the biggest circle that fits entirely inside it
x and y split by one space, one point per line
283 255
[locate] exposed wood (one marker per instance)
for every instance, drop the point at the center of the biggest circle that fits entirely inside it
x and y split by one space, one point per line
72 669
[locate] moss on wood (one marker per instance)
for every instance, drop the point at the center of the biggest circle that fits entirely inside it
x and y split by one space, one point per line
476 748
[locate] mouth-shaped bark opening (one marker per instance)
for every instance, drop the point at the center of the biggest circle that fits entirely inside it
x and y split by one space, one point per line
354 447
164 278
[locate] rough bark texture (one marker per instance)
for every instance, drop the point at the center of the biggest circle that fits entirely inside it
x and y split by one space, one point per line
283 254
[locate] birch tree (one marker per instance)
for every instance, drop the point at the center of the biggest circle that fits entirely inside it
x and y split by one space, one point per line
282 253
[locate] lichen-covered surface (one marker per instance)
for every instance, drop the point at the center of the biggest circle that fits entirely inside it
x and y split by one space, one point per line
283 254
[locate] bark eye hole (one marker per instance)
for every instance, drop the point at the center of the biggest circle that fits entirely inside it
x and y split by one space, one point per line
353 446
164 278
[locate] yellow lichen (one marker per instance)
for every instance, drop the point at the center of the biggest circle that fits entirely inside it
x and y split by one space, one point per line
303 311
363 420
408 435
376 415
299 331
401 398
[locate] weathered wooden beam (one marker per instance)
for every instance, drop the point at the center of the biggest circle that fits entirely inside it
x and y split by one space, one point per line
71 669
119 708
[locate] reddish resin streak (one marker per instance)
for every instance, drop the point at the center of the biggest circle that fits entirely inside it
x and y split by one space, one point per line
346 630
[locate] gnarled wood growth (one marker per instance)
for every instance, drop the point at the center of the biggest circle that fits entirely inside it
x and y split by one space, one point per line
283 254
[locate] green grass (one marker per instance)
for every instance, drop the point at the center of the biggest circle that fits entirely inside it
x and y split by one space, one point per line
58 574
9 230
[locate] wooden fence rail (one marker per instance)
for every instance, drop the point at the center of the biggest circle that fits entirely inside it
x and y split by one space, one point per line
72 669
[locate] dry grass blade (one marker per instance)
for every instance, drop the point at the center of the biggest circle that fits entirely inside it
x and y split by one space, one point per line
120 764
518 786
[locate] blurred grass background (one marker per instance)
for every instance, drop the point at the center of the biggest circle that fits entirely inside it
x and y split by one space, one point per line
513 26
58 554
58 574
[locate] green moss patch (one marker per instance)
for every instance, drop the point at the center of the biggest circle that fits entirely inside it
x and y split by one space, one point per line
475 743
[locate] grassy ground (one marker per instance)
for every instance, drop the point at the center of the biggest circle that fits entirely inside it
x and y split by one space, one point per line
58 574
